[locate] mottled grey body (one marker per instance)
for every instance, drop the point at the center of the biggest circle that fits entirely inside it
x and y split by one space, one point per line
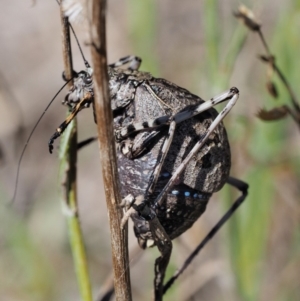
138 97
143 108
173 154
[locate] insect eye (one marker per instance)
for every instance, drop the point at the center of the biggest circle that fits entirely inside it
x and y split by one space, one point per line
87 80
86 77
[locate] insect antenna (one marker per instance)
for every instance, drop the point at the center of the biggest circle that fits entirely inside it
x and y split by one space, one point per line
86 63
28 139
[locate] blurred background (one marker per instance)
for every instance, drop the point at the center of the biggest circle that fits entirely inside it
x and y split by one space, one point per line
198 45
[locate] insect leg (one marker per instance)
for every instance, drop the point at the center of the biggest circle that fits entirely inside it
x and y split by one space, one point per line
83 102
228 95
179 117
134 62
243 188
85 142
128 201
161 159
159 235
164 245
233 96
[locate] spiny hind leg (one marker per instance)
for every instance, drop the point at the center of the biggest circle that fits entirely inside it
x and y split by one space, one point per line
181 116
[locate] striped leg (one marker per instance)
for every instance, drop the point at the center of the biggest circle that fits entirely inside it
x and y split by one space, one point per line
233 96
161 159
86 100
179 117
133 61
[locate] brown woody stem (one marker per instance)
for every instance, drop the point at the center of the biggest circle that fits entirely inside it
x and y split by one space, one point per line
108 153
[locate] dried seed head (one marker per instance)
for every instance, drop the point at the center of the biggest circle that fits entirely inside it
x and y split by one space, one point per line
247 17
75 10
264 58
271 87
273 114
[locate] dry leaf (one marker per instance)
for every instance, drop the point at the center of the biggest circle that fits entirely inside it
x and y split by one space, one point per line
272 89
273 114
247 17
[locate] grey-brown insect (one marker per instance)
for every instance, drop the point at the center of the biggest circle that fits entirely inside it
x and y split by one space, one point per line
172 147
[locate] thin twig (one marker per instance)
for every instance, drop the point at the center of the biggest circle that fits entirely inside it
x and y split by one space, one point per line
107 288
272 61
247 17
264 42
108 153
68 156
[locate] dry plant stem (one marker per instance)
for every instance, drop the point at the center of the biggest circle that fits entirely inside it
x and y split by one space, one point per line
108 153
107 289
68 156
263 40
295 103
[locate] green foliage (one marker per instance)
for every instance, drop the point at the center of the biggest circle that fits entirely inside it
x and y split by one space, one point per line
26 271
